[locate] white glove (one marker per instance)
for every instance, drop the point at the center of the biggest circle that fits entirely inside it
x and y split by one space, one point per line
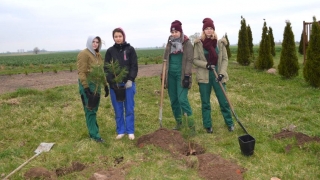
128 84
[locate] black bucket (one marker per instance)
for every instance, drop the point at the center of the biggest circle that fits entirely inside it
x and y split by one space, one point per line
247 143
93 101
120 93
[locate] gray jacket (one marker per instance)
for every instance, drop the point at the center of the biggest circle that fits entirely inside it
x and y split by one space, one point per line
200 61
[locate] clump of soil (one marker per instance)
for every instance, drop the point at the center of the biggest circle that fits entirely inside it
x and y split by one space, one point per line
110 174
209 166
118 173
40 173
76 166
169 140
300 137
215 167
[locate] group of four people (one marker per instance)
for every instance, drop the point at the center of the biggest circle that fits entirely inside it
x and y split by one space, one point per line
206 54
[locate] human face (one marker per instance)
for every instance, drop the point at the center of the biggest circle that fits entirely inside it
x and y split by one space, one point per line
95 43
118 38
175 34
208 31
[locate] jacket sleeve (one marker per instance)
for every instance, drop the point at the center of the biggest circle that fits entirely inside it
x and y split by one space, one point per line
82 65
224 62
197 56
189 63
133 71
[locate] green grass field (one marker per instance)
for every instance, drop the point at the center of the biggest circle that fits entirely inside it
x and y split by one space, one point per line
265 103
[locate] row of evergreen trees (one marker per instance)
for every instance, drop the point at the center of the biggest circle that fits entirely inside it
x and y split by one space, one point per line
288 66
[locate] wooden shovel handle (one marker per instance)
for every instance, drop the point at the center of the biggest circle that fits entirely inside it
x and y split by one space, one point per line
164 65
163 80
18 168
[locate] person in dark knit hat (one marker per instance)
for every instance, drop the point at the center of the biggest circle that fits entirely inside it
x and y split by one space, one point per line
210 53
178 56
126 55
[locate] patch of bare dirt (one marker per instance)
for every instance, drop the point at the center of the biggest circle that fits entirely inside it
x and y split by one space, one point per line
40 173
76 166
42 81
300 137
209 166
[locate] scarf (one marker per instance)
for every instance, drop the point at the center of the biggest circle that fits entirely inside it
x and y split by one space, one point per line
210 45
176 45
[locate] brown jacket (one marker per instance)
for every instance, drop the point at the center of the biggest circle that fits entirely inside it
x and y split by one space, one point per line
85 60
200 61
187 60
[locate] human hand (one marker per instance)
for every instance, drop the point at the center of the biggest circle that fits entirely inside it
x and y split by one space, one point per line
186 81
106 90
128 84
209 67
219 78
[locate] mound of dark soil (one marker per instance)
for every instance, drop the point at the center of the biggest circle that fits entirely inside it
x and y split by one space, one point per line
300 137
76 166
209 166
40 173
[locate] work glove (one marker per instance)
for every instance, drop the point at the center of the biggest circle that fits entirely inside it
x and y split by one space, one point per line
87 92
106 89
128 84
219 78
209 67
186 81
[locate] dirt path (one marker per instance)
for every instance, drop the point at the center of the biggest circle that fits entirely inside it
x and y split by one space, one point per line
47 80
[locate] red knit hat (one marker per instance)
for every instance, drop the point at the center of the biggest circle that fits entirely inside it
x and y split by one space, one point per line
207 22
176 25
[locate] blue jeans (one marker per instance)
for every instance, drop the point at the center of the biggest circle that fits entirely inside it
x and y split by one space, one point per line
124 111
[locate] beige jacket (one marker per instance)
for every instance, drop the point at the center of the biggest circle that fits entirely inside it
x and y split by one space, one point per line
199 60
187 59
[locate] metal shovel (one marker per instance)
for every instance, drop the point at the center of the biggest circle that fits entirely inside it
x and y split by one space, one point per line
231 107
43 147
246 142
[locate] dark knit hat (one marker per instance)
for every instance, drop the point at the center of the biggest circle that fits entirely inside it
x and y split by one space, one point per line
120 30
176 25
207 22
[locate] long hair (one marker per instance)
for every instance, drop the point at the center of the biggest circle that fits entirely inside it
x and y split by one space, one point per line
214 36
100 44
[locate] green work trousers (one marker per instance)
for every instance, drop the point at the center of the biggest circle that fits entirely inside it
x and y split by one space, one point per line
179 98
91 115
205 92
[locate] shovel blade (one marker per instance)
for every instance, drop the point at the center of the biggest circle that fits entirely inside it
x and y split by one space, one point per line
43 147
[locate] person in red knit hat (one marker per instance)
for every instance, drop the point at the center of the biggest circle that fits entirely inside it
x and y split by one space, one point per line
210 53
179 57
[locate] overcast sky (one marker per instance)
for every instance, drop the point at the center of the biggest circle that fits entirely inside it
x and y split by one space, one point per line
56 25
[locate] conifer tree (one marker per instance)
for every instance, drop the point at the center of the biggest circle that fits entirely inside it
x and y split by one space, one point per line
250 43
243 53
288 66
272 44
228 46
311 70
265 60
301 44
